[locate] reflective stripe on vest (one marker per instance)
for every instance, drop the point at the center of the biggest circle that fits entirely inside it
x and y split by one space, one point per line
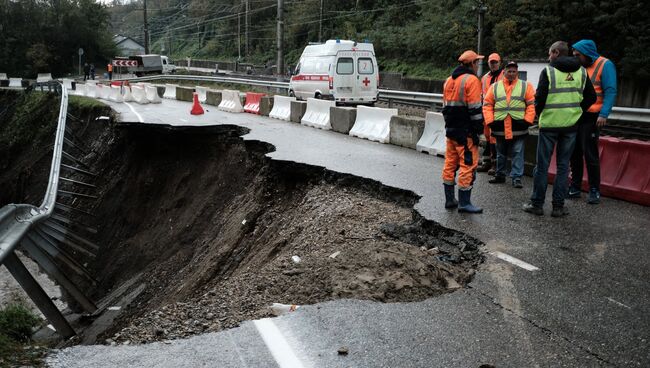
517 105
565 91
595 71
460 101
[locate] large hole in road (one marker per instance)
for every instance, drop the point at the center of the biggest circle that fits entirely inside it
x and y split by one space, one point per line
204 231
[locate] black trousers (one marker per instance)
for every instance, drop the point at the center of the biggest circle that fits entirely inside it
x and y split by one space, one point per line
586 151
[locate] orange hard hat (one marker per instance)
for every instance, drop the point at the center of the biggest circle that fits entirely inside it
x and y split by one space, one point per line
469 56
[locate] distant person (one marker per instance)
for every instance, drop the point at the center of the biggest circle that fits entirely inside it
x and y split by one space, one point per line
563 93
109 69
86 71
509 109
463 124
489 153
92 71
602 73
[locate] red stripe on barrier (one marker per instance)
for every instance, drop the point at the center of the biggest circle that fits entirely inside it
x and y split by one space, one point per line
624 170
253 102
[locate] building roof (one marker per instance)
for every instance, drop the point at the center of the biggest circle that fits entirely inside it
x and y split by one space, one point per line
118 39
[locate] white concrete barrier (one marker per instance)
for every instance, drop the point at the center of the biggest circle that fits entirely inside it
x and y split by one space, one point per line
43 77
373 123
170 91
3 76
202 92
67 83
15 82
281 107
230 101
80 90
139 94
433 139
128 96
318 114
103 91
116 94
91 90
152 94
91 81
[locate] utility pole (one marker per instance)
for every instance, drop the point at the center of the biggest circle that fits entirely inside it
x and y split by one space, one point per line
481 12
320 23
246 29
146 29
280 35
239 35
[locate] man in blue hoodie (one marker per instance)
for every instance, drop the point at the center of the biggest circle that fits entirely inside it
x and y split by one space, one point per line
602 73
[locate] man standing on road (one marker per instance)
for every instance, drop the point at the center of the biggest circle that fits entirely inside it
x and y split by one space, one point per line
602 73
509 109
563 93
86 71
92 71
494 75
463 124
109 69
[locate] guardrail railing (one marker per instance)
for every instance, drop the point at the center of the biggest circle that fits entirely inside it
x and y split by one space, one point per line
38 231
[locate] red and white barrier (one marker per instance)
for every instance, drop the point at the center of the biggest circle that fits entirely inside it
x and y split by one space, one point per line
139 94
128 96
281 107
116 94
252 105
433 139
230 101
373 123
317 114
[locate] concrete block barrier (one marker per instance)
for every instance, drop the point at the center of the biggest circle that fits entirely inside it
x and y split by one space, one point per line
43 77
152 94
230 101
128 96
15 82
160 89
202 92
318 114
281 107
67 83
342 119
91 90
139 94
170 91
184 94
3 76
298 109
253 100
103 91
406 131
373 123
80 89
116 94
213 97
266 105
433 139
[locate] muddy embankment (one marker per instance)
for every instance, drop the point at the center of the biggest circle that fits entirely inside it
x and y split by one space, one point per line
200 228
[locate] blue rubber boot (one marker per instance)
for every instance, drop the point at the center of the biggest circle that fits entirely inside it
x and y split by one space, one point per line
464 203
450 196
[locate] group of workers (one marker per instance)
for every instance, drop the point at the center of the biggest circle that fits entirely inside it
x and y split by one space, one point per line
574 98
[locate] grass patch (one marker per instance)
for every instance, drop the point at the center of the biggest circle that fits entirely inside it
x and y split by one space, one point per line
16 325
82 103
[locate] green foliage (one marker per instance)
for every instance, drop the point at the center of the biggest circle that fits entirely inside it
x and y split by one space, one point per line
45 35
16 322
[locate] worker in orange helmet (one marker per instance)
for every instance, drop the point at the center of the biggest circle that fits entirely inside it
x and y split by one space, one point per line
463 124
495 74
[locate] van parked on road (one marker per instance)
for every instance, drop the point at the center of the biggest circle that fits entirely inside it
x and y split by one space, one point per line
340 70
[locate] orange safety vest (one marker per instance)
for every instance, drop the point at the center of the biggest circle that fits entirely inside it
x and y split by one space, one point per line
595 71
110 67
485 81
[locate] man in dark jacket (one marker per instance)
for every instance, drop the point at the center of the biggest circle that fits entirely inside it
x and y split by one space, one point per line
564 92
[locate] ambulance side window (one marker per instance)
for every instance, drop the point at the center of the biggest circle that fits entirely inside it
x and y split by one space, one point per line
345 66
365 66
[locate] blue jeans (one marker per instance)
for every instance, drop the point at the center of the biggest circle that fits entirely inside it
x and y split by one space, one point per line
514 148
546 142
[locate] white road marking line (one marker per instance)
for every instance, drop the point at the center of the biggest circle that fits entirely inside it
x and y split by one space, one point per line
135 112
619 303
277 345
515 261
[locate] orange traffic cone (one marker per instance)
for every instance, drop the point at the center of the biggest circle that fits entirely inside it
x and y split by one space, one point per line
196 107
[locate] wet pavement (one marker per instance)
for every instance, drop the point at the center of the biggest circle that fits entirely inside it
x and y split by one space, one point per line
586 305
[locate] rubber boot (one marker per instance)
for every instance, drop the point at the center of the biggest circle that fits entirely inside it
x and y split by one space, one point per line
464 203
450 198
485 165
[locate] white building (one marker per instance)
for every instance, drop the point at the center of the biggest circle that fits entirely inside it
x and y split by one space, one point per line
127 46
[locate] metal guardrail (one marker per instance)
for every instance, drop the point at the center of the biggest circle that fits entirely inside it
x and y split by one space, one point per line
405 97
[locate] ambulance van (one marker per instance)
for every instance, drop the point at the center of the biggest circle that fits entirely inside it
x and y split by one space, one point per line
339 70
